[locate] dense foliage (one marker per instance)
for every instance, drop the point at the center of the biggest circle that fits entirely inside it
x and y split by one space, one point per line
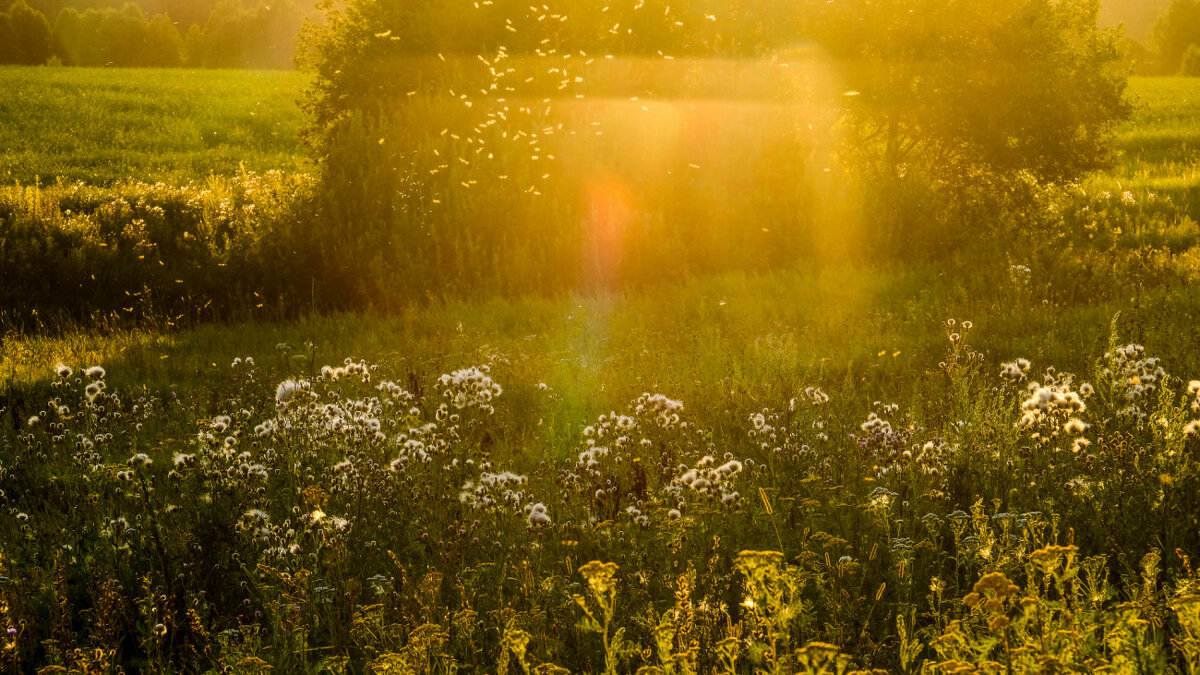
150 251
445 168
24 35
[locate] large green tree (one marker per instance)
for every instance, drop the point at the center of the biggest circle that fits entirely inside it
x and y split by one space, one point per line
1003 86
111 37
951 105
1007 85
25 36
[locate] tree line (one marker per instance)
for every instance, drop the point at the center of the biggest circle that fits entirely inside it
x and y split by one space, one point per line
261 34
233 34
1176 40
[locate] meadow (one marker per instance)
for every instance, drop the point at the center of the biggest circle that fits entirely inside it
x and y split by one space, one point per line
986 462
175 126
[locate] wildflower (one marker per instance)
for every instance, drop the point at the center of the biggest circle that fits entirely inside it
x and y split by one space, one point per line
816 396
1075 426
536 515
1191 428
875 424
664 410
1014 370
1194 388
32 421
730 468
95 373
63 371
140 459
92 391
288 389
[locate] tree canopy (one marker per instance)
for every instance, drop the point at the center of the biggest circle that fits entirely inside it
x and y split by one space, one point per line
1008 85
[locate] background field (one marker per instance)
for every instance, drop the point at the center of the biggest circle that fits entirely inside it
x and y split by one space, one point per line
101 125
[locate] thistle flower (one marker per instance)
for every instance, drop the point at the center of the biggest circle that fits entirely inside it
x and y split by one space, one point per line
536 516
95 373
1075 426
62 370
288 389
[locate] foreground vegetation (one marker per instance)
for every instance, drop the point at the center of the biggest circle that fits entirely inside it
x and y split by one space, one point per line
942 515
777 472
667 381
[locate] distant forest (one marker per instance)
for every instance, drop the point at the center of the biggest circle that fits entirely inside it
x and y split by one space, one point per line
158 33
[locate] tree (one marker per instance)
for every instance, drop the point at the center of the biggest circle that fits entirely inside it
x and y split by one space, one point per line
237 35
1177 29
1004 86
125 37
28 38
951 105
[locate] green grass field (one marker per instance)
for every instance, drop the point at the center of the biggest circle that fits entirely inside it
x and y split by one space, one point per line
888 450
1161 145
103 126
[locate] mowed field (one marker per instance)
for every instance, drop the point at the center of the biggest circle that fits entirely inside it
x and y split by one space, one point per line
937 450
